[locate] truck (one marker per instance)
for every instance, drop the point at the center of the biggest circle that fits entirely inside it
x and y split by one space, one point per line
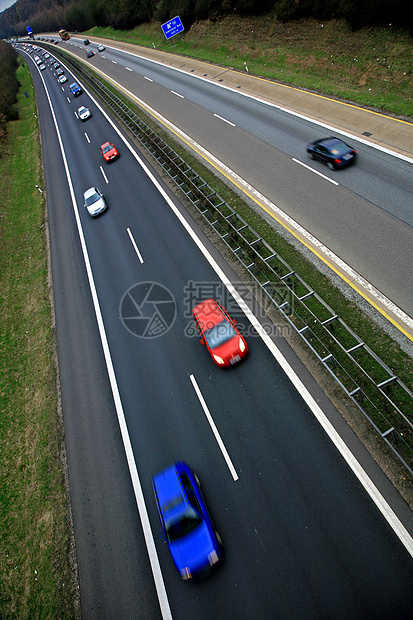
63 34
75 89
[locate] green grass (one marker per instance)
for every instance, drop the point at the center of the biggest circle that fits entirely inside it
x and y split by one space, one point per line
35 575
372 67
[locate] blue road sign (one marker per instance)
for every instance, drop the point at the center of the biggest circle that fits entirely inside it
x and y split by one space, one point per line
173 27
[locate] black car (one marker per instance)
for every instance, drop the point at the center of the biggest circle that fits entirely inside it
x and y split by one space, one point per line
90 53
332 151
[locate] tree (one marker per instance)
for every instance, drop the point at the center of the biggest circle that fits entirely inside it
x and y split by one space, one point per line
9 86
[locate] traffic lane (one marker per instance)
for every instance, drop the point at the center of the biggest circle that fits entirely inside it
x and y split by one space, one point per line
380 178
367 246
110 549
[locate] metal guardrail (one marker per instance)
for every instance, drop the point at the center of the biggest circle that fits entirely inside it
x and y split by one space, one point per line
384 400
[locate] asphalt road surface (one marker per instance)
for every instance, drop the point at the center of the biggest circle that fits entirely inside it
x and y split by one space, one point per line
302 537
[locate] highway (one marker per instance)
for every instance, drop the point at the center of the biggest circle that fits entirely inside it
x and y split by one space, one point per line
303 539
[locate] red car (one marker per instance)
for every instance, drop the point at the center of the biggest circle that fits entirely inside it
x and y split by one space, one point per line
218 331
109 151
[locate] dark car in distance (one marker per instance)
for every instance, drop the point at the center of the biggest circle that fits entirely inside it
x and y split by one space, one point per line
195 545
332 151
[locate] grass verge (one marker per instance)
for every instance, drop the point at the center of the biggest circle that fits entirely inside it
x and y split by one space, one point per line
36 578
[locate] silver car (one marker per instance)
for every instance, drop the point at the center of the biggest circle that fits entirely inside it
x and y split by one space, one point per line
94 201
83 113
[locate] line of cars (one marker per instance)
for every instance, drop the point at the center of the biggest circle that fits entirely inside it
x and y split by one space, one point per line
194 543
90 53
93 199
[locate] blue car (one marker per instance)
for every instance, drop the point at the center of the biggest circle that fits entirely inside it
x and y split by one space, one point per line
75 89
193 541
332 151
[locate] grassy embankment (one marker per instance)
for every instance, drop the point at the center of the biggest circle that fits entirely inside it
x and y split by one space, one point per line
35 574
372 67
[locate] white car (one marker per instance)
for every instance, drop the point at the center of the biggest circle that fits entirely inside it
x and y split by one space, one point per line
42 67
83 113
94 201
62 79
101 48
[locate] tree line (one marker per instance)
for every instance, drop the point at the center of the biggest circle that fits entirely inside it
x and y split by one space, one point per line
9 86
51 15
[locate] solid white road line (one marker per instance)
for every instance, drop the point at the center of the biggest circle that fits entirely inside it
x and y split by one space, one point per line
214 428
